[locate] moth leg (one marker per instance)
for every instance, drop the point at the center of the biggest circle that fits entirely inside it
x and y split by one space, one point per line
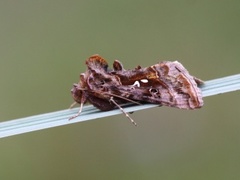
72 105
124 112
79 112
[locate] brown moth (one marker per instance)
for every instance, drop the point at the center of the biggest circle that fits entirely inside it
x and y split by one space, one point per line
166 83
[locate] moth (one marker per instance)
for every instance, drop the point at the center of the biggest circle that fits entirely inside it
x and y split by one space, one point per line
166 83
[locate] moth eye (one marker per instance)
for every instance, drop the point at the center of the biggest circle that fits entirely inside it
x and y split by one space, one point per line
144 80
105 67
136 83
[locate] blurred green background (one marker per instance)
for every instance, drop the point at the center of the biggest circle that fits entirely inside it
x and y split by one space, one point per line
43 49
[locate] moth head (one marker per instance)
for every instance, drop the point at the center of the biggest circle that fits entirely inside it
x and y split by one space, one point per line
76 93
78 90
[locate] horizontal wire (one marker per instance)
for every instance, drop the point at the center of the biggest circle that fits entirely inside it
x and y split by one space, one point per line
60 118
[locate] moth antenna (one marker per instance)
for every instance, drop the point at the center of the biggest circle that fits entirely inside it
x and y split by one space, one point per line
124 112
79 112
135 102
120 97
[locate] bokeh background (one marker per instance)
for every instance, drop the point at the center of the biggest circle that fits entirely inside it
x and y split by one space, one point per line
43 48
